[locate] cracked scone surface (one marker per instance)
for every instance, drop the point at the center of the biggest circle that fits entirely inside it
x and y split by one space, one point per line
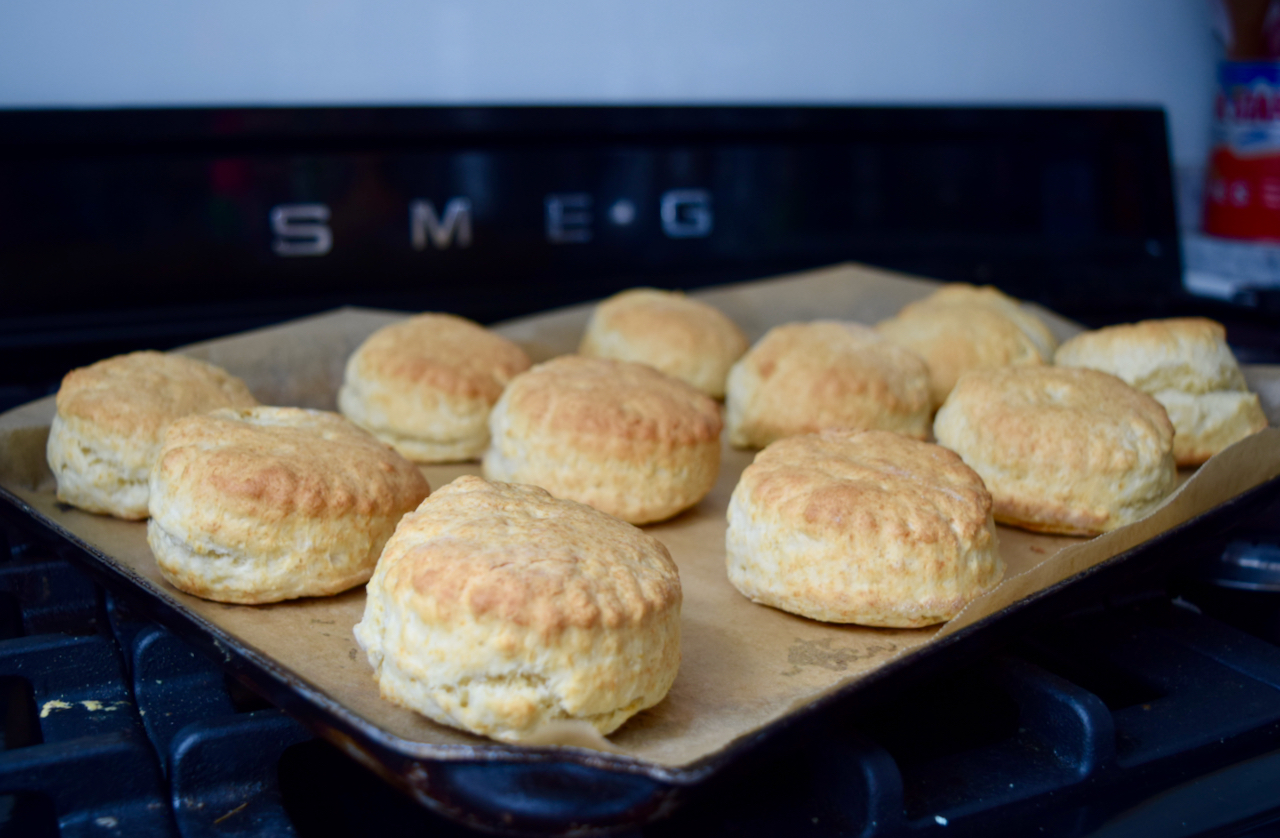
1062 450
110 417
274 503
425 386
866 527
802 377
1187 366
497 608
684 338
619 436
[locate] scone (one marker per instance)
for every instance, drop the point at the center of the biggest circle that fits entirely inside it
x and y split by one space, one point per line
803 377
274 503
866 527
1070 451
497 608
684 338
425 386
1186 364
964 294
618 436
961 327
106 433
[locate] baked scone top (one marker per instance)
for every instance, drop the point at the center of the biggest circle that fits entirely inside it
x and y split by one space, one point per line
955 339
860 485
964 294
1061 449
840 357
803 377
671 318
136 395
961 327
1074 412
269 464
513 554
444 352
1189 354
599 402
682 337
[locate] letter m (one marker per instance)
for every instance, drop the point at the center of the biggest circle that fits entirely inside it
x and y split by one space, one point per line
425 224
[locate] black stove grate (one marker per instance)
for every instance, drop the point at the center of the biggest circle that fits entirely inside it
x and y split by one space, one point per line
113 726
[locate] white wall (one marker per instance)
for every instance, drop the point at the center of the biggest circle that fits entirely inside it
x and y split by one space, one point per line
182 52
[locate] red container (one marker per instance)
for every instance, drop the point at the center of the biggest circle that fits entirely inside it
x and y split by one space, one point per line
1242 187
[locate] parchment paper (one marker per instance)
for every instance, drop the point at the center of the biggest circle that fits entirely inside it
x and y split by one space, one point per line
744 665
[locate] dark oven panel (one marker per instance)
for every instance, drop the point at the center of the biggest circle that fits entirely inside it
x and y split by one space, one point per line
121 229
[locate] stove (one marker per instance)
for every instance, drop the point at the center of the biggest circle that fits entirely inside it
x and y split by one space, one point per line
1148 704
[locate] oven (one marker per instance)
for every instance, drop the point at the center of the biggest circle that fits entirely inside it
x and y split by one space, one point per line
1141 700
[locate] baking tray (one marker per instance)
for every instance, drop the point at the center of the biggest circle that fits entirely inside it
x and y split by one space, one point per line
751 676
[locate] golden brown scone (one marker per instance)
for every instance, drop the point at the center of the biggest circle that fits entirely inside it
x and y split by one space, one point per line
684 338
498 608
621 437
803 377
110 418
960 328
1071 451
274 503
1186 364
867 527
962 293
425 386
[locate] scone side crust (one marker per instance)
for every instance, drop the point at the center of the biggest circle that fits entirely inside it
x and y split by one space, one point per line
468 679
94 477
422 424
203 568
424 451
1208 423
